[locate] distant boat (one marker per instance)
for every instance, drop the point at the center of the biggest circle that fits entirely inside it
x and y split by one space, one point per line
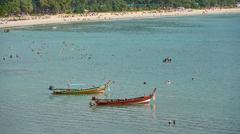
77 91
119 102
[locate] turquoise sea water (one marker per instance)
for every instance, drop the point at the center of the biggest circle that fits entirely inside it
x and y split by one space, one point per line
128 52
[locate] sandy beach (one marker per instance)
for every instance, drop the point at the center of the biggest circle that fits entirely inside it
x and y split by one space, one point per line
92 17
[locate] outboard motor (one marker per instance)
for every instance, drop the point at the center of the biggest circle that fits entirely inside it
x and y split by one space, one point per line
50 87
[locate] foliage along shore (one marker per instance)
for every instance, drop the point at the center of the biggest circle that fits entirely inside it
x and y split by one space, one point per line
28 20
21 7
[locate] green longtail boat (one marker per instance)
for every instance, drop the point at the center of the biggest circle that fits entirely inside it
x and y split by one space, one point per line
78 91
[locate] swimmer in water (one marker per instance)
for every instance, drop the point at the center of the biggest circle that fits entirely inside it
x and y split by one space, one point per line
168 82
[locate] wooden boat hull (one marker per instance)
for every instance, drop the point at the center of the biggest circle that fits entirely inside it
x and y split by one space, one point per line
95 90
79 91
119 102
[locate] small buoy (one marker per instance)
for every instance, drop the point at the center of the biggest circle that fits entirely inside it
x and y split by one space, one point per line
144 82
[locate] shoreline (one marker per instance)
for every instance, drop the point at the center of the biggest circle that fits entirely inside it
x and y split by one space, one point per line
108 16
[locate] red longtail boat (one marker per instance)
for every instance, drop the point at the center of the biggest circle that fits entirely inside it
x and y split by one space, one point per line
118 102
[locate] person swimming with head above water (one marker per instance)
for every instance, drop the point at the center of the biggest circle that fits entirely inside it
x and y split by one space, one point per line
168 82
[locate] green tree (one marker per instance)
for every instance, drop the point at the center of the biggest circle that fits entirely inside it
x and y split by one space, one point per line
50 6
13 7
9 7
55 6
78 6
3 8
65 5
119 5
230 3
204 3
26 6
44 5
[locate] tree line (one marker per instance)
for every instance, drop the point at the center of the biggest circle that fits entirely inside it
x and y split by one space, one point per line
15 7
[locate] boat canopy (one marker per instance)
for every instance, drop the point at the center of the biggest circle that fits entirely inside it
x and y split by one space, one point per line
82 85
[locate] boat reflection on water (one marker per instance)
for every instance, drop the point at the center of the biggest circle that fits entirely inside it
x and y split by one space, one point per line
149 108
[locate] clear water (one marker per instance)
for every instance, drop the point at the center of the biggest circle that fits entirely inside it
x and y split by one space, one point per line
129 52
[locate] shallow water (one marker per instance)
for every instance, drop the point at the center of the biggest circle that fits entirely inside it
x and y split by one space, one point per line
128 52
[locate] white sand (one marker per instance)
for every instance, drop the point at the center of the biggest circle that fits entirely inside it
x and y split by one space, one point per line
71 18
